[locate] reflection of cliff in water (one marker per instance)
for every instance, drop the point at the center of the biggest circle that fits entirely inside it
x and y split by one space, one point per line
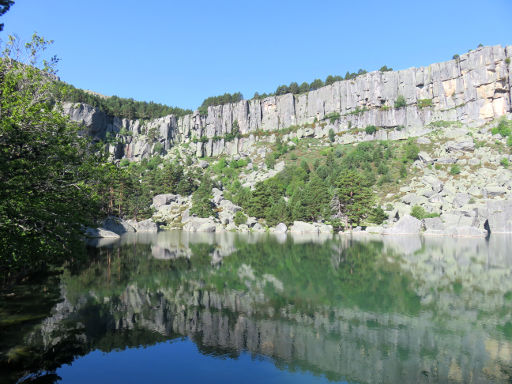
429 310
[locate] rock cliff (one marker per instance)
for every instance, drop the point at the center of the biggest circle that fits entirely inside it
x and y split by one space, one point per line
473 89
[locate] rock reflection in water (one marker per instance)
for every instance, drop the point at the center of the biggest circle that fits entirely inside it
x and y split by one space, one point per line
360 309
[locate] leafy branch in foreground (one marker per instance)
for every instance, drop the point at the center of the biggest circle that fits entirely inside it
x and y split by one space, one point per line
44 166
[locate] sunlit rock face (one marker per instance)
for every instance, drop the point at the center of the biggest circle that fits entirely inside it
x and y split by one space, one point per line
473 89
364 310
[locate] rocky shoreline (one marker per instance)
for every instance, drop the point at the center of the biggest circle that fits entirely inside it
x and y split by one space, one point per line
173 212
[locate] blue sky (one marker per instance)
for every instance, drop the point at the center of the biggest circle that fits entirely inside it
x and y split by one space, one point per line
180 52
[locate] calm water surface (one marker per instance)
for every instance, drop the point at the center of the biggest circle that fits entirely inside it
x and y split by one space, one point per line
181 307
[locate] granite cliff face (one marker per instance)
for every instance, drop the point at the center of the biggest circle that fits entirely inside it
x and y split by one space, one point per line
473 90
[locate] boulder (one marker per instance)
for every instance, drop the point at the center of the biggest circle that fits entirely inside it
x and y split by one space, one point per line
407 225
146 226
499 216
117 225
466 231
199 224
378 230
425 158
258 228
164 199
493 191
302 227
280 228
433 224
203 164
324 228
466 145
100 233
461 199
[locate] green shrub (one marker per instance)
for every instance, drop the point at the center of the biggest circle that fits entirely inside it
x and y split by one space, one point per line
377 216
400 102
424 103
333 116
456 56
503 128
504 162
411 151
293 156
240 218
438 167
158 148
454 170
370 129
332 135
124 162
507 60
420 213
270 161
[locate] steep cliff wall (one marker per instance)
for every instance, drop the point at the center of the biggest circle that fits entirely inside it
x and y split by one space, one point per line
473 89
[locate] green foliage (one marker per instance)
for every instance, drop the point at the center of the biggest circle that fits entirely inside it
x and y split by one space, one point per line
504 128
370 129
240 218
201 199
400 102
332 117
403 171
353 200
385 68
293 156
219 100
507 60
504 162
456 56
424 103
420 213
377 216
411 151
118 106
454 170
235 132
45 167
270 161
5 5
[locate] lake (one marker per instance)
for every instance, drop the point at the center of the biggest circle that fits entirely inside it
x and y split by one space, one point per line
197 307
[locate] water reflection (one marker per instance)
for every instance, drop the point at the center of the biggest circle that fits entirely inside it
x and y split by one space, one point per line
361 309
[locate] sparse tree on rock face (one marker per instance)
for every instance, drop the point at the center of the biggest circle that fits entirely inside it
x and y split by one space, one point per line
201 199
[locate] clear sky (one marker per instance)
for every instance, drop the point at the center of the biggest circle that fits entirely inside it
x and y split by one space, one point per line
180 52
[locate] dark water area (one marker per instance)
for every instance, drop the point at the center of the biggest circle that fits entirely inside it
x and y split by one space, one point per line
188 307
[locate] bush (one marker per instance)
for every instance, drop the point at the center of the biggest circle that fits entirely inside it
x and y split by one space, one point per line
124 162
504 162
332 135
400 102
370 129
424 103
240 218
333 116
377 216
420 213
270 161
503 128
411 151
293 156
454 170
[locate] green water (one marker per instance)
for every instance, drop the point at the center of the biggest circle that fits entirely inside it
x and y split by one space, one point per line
360 309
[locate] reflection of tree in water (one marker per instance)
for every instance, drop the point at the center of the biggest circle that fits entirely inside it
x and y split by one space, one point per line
340 309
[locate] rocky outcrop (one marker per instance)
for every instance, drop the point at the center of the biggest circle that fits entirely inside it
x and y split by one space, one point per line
473 89
100 233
